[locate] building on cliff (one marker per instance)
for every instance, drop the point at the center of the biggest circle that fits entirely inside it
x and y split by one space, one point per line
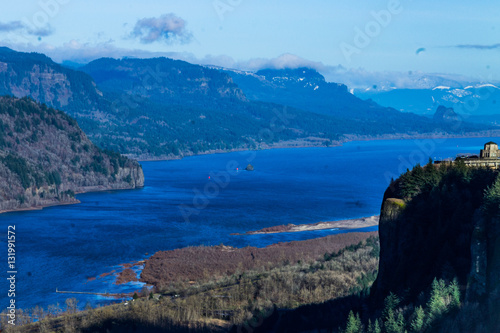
488 157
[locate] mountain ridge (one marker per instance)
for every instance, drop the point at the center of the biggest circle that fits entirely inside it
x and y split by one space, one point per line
161 108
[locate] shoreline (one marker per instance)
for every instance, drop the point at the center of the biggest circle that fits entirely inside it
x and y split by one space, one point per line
339 143
40 207
348 224
74 202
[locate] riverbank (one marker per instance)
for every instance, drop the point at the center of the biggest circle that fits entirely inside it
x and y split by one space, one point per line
74 201
40 207
363 222
314 142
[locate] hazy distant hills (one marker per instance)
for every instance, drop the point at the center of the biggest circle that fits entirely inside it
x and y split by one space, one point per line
162 108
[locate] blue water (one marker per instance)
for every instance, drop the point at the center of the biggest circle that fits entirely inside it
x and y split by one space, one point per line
61 247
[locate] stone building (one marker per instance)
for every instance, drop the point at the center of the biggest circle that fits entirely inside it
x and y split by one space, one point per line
490 151
488 157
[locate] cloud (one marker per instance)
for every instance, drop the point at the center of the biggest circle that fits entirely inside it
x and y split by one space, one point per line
18 26
478 47
167 28
42 32
83 53
286 60
359 78
11 26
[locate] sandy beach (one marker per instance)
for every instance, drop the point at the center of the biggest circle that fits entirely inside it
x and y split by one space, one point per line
363 222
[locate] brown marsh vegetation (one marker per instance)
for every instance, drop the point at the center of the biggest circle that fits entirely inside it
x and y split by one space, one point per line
232 297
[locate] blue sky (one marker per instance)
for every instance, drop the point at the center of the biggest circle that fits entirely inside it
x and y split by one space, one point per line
454 37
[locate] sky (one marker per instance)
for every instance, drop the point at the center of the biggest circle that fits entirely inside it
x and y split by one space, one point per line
459 37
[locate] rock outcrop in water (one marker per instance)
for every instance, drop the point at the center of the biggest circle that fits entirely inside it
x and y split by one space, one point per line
45 158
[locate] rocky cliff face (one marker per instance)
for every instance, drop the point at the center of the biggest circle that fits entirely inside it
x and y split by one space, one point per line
483 285
434 224
46 159
37 76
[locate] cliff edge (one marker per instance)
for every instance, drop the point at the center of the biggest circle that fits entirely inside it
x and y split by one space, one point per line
442 223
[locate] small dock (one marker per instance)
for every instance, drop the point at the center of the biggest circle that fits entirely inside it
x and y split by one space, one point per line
105 294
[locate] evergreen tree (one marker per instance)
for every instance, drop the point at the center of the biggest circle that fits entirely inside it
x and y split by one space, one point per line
390 304
492 199
436 305
401 322
454 292
376 327
417 324
353 324
394 324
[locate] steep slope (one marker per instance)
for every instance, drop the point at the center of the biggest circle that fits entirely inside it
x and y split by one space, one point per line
37 76
45 158
442 223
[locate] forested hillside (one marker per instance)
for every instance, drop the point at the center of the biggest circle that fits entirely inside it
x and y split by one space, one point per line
45 158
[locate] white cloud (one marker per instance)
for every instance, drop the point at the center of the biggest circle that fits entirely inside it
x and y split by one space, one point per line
167 28
286 60
359 78
11 26
20 26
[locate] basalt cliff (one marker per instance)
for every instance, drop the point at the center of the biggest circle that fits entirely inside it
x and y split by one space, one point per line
443 223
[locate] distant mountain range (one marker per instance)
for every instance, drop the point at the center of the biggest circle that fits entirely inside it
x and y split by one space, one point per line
163 108
472 102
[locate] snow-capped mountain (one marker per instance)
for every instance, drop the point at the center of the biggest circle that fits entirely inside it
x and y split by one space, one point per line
471 100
